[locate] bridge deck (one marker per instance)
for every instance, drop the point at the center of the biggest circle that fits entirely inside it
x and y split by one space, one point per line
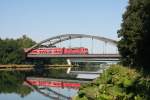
54 79
75 56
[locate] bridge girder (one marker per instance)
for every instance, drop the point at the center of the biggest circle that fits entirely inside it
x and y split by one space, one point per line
60 38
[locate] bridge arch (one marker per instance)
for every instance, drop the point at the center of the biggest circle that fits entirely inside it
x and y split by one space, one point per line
60 38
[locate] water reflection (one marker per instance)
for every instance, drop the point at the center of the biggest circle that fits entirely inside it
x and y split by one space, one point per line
14 86
56 93
11 82
53 88
40 84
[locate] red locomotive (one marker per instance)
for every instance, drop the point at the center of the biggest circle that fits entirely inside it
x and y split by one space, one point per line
60 51
52 83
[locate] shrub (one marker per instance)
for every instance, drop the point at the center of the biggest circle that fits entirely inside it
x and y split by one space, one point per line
117 83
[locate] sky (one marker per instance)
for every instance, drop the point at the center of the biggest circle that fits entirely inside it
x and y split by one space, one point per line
41 19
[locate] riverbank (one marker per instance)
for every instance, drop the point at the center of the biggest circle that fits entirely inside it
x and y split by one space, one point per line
117 83
23 67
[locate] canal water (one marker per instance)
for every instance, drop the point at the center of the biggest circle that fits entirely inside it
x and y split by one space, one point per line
38 85
34 95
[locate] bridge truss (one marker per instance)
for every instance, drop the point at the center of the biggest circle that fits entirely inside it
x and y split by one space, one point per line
51 42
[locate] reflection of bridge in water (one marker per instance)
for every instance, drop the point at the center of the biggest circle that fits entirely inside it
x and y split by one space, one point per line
54 88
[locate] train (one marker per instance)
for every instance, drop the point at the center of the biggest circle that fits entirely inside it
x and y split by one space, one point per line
60 51
53 83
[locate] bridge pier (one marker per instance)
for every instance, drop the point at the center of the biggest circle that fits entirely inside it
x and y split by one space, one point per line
69 63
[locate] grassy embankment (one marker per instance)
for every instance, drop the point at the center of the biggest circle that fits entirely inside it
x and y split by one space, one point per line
117 83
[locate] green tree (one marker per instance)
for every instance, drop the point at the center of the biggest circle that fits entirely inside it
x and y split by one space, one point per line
12 51
134 34
25 42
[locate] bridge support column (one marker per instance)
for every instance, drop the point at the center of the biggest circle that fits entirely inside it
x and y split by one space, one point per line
69 63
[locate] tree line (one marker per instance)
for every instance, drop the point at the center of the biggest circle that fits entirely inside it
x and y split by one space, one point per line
12 52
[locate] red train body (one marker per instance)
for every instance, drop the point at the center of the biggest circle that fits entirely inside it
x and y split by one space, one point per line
53 83
60 51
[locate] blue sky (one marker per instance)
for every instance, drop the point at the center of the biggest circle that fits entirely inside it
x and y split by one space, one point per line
40 19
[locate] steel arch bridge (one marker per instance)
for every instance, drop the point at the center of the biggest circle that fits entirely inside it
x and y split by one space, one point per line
57 39
60 38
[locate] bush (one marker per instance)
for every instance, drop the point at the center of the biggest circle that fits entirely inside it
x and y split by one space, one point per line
117 83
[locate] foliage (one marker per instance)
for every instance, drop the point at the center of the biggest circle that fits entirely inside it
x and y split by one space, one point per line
12 82
25 42
134 34
12 52
117 83
58 61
